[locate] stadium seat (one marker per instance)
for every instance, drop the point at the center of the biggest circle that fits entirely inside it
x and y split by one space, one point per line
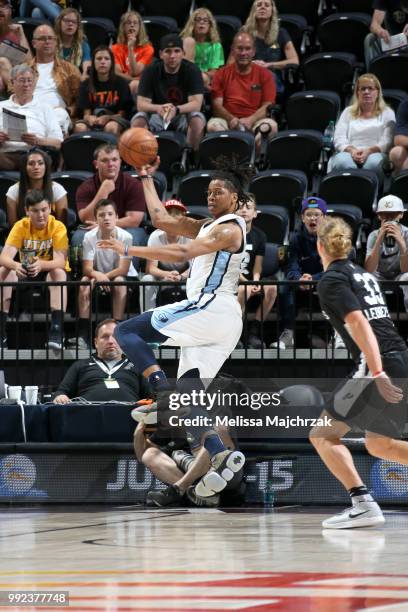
226 143
159 179
226 7
192 188
308 8
356 187
351 6
399 186
99 31
29 24
157 27
394 97
281 188
71 180
104 10
350 213
271 261
77 150
296 150
344 32
176 9
391 70
172 151
298 30
228 26
330 72
7 179
198 212
312 110
274 221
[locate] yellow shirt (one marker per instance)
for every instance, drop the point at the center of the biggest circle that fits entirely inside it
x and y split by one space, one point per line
41 242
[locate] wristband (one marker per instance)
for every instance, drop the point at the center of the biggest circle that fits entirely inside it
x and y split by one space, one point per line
377 374
126 251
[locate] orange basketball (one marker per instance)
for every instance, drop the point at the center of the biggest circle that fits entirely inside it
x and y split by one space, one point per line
138 147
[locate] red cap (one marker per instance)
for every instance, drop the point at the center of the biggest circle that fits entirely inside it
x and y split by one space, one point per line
175 204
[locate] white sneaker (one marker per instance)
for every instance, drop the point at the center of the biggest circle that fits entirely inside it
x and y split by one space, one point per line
146 411
361 514
285 340
338 342
224 467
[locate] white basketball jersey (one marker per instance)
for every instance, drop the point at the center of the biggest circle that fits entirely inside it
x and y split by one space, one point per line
216 272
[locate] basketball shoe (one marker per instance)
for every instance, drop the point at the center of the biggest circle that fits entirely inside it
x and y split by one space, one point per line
361 514
170 496
224 468
146 411
202 502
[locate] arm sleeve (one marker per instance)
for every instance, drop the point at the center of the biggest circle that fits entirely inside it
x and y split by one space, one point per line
387 137
341 140
69 384
16 236
283 39
217 58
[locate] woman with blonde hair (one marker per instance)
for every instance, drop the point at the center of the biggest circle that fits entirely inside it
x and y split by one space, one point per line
364 132
274 47
371 399
72 45
133 50
201 42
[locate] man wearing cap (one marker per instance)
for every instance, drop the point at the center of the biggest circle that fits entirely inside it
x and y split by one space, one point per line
399 152
164 271
304 265
171 93
387 247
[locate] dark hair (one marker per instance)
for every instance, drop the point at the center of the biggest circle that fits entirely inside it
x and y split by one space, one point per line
107 147
104 322
105 202
24 185
233 173
35 197
93 75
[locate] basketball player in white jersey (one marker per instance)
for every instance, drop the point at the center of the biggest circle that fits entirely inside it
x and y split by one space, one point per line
208 324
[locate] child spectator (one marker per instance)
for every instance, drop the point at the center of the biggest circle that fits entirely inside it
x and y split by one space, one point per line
72 45
103 265
42 244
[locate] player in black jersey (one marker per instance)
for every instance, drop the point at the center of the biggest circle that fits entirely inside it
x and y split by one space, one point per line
352 300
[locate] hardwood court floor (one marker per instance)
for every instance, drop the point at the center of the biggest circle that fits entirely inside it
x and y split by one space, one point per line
130 558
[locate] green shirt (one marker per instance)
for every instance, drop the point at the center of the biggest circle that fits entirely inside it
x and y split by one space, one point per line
209 56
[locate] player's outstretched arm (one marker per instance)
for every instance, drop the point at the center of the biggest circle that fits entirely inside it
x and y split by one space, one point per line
181 226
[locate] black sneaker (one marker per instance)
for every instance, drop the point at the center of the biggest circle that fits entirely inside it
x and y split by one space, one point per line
55 338
203 502
171 496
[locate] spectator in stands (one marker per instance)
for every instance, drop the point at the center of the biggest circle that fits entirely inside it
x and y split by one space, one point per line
106 376
58 80
41 120
364 132
164 271
251 269
399 152
170 93
274 47
242 91
36 174
104 98
389 17
41 242
41 9
103 266
110 182
387 247
12 31
304 265
72 45
201 43
133 50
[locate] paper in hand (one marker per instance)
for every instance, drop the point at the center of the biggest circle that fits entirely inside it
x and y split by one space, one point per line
16 54
14 124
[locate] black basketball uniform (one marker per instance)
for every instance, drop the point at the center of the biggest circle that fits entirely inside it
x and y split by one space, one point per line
346 287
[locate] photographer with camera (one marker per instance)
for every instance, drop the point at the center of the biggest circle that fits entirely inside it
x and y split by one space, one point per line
387 247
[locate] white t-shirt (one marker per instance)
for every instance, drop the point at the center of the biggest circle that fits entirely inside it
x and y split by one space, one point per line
46 88
58 191
362 133
105 260
158 238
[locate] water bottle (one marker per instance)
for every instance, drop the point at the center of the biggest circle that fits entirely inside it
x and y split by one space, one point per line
328 136
269 495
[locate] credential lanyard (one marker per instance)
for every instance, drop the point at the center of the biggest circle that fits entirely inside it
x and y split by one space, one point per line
109 371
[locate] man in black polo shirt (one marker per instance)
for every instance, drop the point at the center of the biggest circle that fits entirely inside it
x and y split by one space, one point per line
170 93
106 376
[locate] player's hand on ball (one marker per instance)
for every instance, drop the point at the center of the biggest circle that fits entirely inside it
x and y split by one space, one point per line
150 169
388 390
114 245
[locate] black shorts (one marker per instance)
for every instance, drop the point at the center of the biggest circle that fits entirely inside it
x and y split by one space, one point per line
358 403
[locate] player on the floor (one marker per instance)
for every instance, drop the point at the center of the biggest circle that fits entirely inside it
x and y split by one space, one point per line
207 325
351 299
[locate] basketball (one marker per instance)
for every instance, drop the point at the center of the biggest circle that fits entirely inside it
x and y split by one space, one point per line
138 147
